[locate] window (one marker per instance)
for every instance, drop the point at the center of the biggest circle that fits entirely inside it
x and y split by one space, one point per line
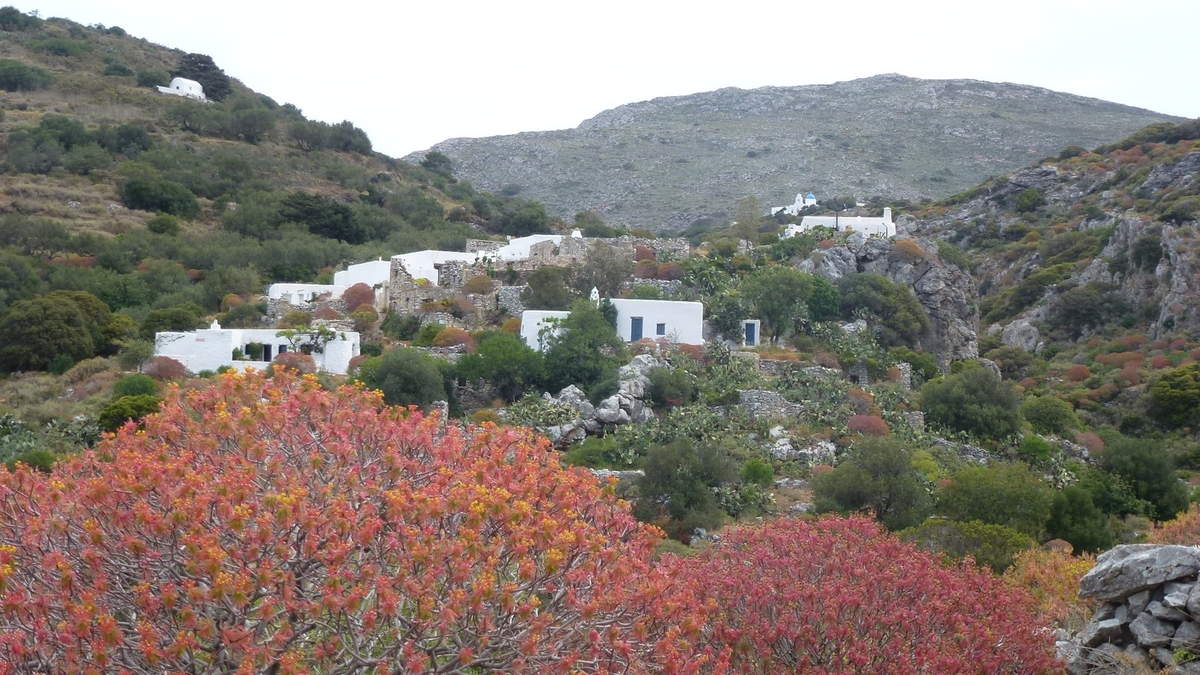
283 349
660 329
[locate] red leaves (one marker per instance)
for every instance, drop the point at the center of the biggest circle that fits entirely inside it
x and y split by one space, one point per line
358 295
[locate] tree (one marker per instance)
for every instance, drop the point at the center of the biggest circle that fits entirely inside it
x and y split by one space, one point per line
670 387
993 545
286 528
974 401
18 279
405 376
1049 414
877 476
17 76
358 295
778 296
438 163
1004 494
548 288
604 269
125 408
504 360
841 595
520 217
34 332
746 218
1150 473
322 216
1175 396
1075 518
156 194
891 309
676 490
251 124
201 68
1028 200
178 318
585 350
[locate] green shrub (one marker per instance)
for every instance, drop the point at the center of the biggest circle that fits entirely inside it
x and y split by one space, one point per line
1034 449
1175 397
126 408
1049 415
993 545
1002 494
676 491
671 387
163 223
892 309
504 361
405 376
424 337
758 472
974 401
17 76
401 326
1028 200
151 194
153 78
877 476
135 385
1147 468
1076 518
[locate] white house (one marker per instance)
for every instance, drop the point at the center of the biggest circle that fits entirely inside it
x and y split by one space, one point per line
302 294
802 201
372 273
670 320
867 225
181 86
211 348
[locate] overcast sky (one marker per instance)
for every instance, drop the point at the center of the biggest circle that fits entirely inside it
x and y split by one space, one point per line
413 74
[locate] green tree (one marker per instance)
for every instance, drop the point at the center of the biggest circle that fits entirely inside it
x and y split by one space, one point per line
974 401
18 279
504 360
126 408
405 376
17 76
549 288
178 318
824 302
438 163
322 216
135 385
891 309
585 350
521 217
151 194
1049 414
252 124
34 332
201 68
778 296
1076 518
605 269
676 490
1029 200
1145 465
747 215
1004 494
993 545
670 387
1175 397
877 476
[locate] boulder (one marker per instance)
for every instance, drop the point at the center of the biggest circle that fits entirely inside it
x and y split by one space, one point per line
1097 632
1187 636
1127 569
1150 631
1022 333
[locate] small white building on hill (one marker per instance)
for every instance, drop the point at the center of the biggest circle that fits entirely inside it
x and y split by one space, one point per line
802 201
303 294
870 226
372 273
669 320
211 348
181 86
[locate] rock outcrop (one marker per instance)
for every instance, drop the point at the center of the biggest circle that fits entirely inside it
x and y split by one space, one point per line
1151 611
947 293
629 405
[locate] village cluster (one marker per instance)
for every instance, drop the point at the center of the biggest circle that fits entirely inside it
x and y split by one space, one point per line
428 284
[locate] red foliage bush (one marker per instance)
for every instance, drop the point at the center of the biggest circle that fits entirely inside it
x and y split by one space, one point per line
645 270
451 336
327 313
1077 373
841 595
164 368
1089 440
641 253
669 271
261 525
1134 341
868 425
1160 361
827 360
1183 529
297 361
1120 359
357 295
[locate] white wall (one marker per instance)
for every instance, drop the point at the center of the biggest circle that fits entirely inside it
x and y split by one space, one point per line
422 264
371 273
209 349
683 321
532 321
300 294
518 249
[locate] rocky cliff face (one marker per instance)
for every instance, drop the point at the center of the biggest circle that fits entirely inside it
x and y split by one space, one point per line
946 292
667 162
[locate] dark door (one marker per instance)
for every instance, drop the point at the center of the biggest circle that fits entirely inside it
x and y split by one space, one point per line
266 353
751 334
635 329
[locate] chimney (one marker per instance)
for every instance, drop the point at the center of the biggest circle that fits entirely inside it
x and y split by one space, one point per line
887 214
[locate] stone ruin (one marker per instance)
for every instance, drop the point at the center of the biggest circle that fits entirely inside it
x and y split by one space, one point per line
1150 616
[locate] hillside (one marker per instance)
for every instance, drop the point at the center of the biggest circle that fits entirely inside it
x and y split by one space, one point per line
665 163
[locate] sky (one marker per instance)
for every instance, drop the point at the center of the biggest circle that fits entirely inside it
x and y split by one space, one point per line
412 74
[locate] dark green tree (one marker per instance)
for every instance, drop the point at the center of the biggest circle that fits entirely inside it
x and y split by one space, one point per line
149 194
1145 465
406 376
322 216
34 332
201 68
877 476
892 310
506 362
605 269
17 76
1049 414
585 350
438 163
520 217
1004 494
1175 397
778 296
676 491
974 401
1075 518
178 318
549 288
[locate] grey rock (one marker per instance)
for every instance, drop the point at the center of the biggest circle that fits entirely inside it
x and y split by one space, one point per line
1022 333
1136 603
1150 631
1193 602
1096 632
1161 611
1127 569
1176 594
1187 636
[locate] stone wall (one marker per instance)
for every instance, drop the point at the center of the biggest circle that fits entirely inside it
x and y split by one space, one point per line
765 404
1150 612
508 298
477 245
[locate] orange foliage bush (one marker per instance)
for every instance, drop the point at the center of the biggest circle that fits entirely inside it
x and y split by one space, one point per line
1130 374
641 253
841 595
480 284
868 425
1160 361
295 361
1089 440
230 301
909 250
827 360
1077 373
327 313
860 400
451 336
645 270
1183 529
669 271
164 368
1052 578
267 525
1134 341
511 325
357 295
1120 359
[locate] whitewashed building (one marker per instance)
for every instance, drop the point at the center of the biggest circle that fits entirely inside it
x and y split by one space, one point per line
303 294
669 320
802 201
372 273
181 86
870 226
211 348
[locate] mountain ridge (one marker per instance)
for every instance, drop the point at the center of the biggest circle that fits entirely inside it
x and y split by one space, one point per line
667 162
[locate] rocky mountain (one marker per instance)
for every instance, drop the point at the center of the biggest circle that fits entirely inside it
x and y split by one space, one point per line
1070 246
665 163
